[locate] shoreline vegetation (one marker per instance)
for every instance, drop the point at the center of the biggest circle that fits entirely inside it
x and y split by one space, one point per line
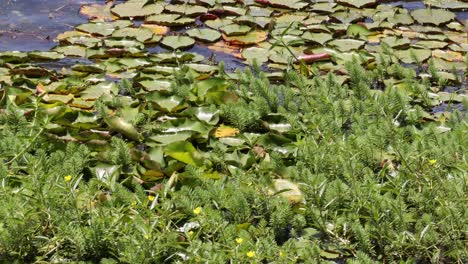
342 140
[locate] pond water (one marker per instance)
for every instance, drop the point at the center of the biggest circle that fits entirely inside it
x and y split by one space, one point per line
33 24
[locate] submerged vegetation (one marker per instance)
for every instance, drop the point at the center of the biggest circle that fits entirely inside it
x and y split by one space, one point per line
341 156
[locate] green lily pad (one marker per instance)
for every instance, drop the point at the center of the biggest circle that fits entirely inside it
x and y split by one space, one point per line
432 44
256 11
137 8
45 55
170 20
235 29
357 31
87 41
13 56
288 190
188 10
319 38
71 51
347 44
140 34
177 42
185 152
447 4
396 42
254 53
413 55
253 37
358 3
99 28
217 23
432 16
204 34
124 43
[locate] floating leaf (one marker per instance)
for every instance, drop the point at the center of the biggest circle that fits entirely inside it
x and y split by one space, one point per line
413 55
253 53
137 9
170 20
140 34
347 44
118 124
253 37
358 3
101 29
177 42
204 34
97 11
235 29
288 190
184 9
432 16
183 151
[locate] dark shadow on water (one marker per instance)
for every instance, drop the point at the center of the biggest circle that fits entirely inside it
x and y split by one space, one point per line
33 24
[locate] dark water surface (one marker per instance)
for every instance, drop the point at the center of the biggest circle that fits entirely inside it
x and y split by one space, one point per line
33 24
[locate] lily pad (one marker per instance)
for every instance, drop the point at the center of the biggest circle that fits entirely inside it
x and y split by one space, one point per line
347 44
177 42
319 38
140 34
204 34
413 55
253 37
137 8
101 29
433 16
188 10
170 20
235 29
358 3
254 53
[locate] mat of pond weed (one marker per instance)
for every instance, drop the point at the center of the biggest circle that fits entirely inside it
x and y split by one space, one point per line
135 47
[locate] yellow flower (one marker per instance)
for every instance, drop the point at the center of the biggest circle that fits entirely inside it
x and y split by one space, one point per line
239 240
190 233
432 161
151 198
197 259
251 254
281 253
197 210
68 178
134 203
146 236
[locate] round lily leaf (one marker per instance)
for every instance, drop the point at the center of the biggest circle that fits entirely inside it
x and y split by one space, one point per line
413 55
101 29
320 38
177 42
170 20
217 23
447 4
235 29
45 55
184 9
137 8
358 3
253 37
432 16
254 53
140 34
204 34
347 44
396 42
97 11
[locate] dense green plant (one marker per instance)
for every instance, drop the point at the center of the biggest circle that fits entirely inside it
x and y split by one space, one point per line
379 183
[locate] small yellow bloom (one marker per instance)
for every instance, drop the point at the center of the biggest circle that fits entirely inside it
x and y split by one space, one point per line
432 161
197 259
251 254
197 210
147 237
239 240
134 203
68 178
151 198
281 253
190 233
